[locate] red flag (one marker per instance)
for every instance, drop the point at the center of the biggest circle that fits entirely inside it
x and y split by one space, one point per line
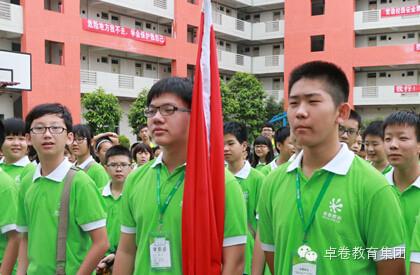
204 190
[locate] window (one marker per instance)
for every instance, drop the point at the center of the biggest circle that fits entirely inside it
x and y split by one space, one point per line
54 52
383 1
382 74
104 59
138 25
115 61
192 34
148 26
148 66
410 35
257 18
318 7
410 73
191 1
53 5
383 37
371 75
15 47
317 43
276 16
104 15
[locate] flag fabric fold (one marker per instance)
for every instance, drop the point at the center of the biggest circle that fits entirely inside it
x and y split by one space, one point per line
204 190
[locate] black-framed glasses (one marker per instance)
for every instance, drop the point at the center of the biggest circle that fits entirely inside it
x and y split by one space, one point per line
349 131
40 130
122 165
164 110
79 140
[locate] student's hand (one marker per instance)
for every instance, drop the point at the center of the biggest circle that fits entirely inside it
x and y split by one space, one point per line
105 263
112 136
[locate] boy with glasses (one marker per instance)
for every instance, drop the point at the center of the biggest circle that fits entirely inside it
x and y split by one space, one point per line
118 166
151 223
349 128
49 129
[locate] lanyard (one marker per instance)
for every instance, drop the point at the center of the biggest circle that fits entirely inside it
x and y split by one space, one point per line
162 208
316 204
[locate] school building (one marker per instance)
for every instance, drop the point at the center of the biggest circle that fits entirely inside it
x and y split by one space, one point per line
124 46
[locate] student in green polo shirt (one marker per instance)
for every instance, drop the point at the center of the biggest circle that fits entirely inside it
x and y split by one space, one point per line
118 166
402 147
9 238
373 138
49 129
16 162
284 147
326 211
82 149
250 180
349 129
415 249
262 153
167 112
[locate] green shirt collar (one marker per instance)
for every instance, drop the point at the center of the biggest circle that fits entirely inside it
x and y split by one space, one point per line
21 163
86 162
244 172
106 192
340 164
159 160
390 177
58 174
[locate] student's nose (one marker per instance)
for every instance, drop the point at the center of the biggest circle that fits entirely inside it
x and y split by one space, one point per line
301 111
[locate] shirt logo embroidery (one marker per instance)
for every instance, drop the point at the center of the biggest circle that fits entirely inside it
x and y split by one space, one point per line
335 206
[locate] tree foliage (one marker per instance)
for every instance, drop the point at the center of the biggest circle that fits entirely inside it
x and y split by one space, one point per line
273 108
136 115
102 111
245 102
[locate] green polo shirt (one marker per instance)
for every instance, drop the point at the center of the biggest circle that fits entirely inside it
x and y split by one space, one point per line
96 172
39 202
8 208
140 213
415 242
267 169
18 169
250 181
387 169
113 219
349 223
410 205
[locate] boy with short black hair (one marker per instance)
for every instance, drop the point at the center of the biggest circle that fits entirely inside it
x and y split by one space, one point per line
373 138
144 222
49 129
16 162
250 180
348 129
9 238
339 200
284 147
118 166
402 147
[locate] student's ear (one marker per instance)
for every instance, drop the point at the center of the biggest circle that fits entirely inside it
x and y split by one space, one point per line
70 138
343 112
28 139
244 146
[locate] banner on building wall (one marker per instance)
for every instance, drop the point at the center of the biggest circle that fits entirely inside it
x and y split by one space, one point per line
398 11
414 88
417 47
116 30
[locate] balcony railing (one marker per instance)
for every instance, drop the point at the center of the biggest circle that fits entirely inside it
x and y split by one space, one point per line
11 18
268 64
119 84
162 8
232 26
372 19
383 95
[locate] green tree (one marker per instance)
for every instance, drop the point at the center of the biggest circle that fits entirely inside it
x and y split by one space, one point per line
124 141
230 104
274 108
136 115
102 111
249 94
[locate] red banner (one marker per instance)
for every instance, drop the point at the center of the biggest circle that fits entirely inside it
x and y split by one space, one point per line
414 88
115 30
417 47
398 11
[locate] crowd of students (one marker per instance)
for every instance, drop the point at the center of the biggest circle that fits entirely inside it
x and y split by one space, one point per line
323 196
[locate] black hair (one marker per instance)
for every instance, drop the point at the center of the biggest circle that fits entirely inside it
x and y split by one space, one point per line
262 140
83 130
100 141
268 125
237 129
141 127
155 149
49 109
180 87
335 80
355 116
2 135
281 135
408 118
117 150
374 129
142 147
14 127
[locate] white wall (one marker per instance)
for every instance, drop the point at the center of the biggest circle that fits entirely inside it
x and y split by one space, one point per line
6 105
364 4
391 39
5 45
369 113
392 78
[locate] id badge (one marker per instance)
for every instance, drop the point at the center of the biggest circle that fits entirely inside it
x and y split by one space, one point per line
304 262
160 252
